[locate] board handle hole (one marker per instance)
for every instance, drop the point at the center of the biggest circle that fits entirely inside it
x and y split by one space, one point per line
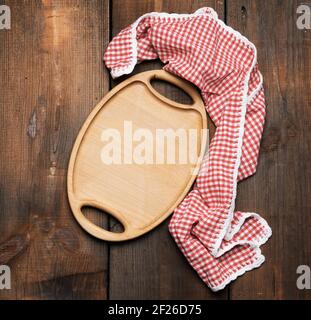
102 219
171 91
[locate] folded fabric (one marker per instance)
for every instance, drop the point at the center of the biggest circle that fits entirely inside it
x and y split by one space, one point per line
219 243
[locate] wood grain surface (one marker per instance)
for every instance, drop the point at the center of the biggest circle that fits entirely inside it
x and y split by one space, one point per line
51 77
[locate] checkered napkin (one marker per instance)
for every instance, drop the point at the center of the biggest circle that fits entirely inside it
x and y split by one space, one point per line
220 243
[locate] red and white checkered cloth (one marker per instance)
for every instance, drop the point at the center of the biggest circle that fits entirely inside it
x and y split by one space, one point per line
219 243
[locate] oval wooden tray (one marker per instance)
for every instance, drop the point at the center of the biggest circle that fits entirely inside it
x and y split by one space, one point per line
140 196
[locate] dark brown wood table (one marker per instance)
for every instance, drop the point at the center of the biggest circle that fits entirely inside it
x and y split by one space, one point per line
52 75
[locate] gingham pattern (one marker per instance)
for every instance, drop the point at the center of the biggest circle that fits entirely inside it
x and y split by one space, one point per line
219 243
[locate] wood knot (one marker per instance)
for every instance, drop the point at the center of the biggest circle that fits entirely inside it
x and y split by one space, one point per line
244 12
32 127
67 238
271 140
53 168
13 247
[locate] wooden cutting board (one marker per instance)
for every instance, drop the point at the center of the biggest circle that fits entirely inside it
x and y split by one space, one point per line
110 171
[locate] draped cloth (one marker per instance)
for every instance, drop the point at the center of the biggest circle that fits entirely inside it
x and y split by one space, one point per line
219 242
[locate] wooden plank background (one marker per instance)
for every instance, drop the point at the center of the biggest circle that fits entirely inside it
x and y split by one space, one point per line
52 75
